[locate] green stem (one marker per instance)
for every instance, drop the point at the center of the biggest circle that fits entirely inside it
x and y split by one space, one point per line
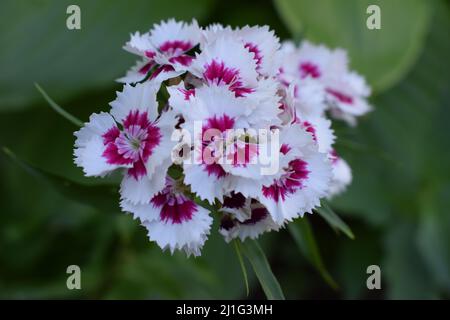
57 108
241 262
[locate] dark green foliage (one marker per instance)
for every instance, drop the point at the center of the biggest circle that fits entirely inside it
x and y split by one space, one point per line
400 156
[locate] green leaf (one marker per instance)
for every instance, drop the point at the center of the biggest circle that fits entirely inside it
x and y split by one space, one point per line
351 259
261 267
410 124
303 236
40 48
403 267
58 109
242 264
333 219
175 172
433 234
384 56
104 197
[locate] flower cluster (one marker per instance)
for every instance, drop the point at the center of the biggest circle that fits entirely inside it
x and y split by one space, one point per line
225 122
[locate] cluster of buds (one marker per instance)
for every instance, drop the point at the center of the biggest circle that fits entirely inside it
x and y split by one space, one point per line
223 122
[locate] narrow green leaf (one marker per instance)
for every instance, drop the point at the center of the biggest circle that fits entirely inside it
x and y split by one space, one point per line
333 220
57 108
100 196
303 236
241 263
260 265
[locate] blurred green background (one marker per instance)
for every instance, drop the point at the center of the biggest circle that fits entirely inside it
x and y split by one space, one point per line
397 205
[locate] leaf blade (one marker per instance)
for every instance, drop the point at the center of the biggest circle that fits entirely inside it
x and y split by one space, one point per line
261 267
98 196
57 108
242 265
303 236
334 220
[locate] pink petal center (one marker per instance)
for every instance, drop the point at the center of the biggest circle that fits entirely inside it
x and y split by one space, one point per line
212 142
134 144
217 73
175 51
175 206
175 47
309 69
289 183
188 93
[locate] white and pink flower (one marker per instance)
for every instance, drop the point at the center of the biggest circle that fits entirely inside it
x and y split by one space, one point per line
134 137
344 91
164 51
320 130
305 177
244 218
226 62
217 111
237 99
173 220
261 42
347 96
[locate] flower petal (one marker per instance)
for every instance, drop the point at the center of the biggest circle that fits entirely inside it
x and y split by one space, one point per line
188 235
141 97
90 146
141 189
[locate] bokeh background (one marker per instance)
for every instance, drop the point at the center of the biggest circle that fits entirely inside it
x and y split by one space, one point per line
397 205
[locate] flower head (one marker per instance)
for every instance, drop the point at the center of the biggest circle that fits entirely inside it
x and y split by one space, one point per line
344 91
305 177
133 137
242 120
173 220
163 50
